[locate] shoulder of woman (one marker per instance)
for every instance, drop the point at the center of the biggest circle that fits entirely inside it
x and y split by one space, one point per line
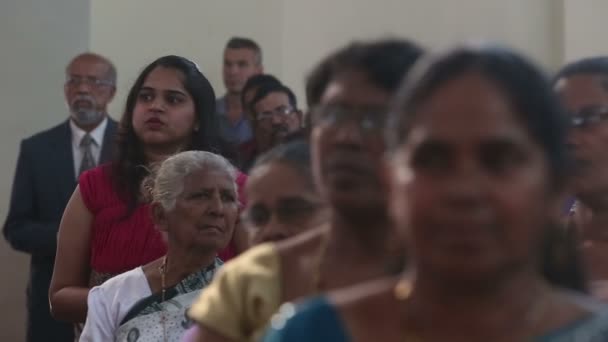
584 302
256 268
314 320
123 282
242 296
593 328
95 185
254 259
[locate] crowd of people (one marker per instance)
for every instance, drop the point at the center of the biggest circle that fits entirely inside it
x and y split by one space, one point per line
421 195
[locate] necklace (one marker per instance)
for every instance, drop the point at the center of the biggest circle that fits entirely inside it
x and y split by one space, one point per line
532 316
163 274
401 292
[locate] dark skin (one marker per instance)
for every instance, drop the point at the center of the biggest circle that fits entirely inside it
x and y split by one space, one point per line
471 199
345 251
281 203
579 93
191 245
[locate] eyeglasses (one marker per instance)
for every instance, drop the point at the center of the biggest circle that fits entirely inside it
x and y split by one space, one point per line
75 81
589 116
289 211
368 119
282 112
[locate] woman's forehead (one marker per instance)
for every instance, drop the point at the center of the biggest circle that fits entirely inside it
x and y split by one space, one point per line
206 178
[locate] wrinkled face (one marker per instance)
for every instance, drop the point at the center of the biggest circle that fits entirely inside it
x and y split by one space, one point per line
88 90
275 118
164 114
205 213
239 65
347 145
469 185
586 99
280 203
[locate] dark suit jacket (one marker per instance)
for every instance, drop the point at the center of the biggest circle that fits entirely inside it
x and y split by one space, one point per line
43 184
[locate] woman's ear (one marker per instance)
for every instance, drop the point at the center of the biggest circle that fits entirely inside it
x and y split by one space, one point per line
159 217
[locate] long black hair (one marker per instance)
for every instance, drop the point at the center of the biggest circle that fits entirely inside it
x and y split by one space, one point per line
129 168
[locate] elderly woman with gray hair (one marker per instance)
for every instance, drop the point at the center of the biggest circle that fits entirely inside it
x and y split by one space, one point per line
194 201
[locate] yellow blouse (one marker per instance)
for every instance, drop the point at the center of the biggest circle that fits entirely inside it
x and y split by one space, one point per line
243 296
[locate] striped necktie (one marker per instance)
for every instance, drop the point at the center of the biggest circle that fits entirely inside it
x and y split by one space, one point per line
88 162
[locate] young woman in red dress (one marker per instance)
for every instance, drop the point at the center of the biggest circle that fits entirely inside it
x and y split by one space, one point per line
107 227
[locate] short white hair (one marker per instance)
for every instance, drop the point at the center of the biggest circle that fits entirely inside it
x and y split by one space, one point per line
167 182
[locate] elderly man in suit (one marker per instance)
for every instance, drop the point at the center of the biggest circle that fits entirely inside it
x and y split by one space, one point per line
48 166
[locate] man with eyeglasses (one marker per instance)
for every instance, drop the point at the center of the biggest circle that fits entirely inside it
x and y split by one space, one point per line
275 117
583 90
48 167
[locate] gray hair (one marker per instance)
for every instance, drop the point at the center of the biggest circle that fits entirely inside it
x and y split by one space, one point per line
167 181
111 72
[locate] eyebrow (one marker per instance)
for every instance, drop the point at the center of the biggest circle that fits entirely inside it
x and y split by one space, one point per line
213 188
170 91
86 76
294 199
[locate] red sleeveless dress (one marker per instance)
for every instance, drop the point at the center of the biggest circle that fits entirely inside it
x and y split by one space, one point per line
121 242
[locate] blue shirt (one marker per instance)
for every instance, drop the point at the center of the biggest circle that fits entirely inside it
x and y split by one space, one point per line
233 133
317 320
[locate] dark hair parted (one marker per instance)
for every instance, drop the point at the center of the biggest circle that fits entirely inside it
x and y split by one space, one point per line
255 82
385 62
130 166
597 65
245 43
525 87
295 154
266 89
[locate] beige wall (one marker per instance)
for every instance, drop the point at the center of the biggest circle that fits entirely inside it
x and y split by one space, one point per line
312 28
295 34
584 28
38 39
133 33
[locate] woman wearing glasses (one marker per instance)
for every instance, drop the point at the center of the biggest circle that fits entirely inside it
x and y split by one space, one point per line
282 202
351 89
583 89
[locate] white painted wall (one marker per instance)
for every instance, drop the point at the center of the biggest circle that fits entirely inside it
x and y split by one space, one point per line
312 28
38 38
294 34
585 28
133 33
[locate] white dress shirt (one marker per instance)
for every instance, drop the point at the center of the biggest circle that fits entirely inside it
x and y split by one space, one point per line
77 135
